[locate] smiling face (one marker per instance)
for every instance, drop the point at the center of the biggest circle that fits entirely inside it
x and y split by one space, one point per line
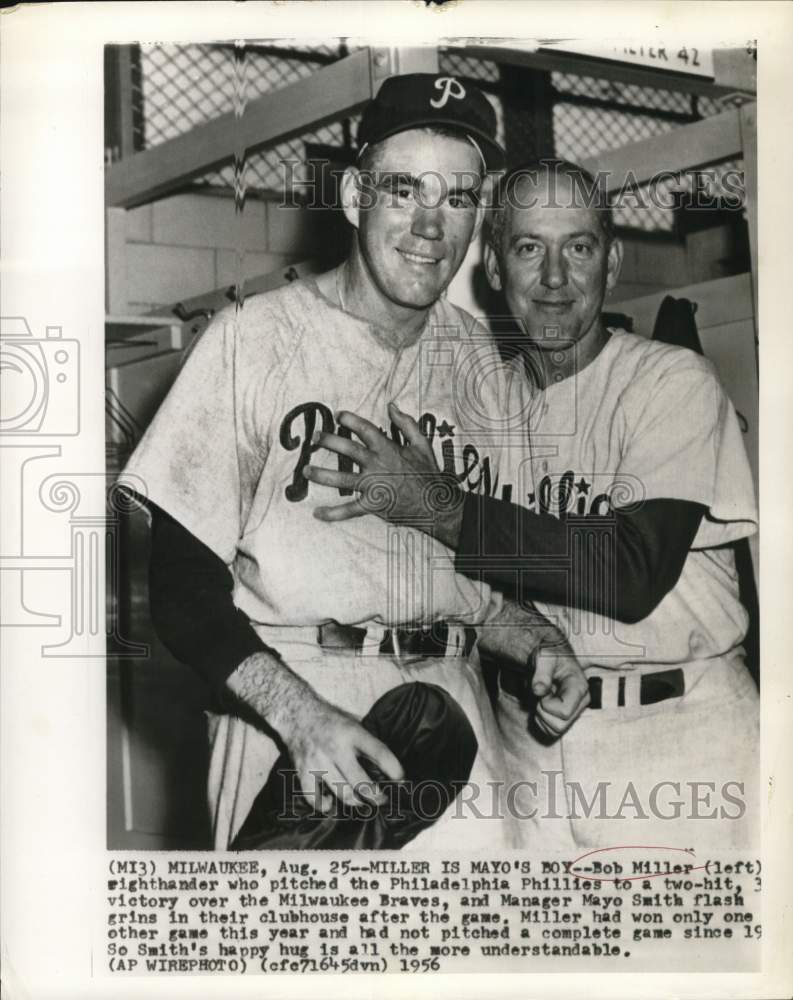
416 210
555 263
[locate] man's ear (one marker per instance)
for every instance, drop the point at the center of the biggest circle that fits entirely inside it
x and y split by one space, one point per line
480 215
484 204
351 194
614 262
492 269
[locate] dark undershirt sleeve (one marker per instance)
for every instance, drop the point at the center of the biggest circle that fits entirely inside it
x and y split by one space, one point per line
620 565
192 607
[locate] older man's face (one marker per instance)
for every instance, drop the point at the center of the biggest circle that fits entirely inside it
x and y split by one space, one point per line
419 213
554 262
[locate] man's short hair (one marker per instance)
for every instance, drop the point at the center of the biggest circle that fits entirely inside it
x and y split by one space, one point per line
588 192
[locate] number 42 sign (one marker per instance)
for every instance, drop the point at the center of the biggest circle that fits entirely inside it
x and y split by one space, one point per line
675 57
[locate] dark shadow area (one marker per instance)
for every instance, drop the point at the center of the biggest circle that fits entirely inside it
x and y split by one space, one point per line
157 750
332 233
749 598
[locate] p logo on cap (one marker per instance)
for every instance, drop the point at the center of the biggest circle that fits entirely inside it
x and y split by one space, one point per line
428 100
450 88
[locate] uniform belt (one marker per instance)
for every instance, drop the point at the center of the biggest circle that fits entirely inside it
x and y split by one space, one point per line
416 643
653 687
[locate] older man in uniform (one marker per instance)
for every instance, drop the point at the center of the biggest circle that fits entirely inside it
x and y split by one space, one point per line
630 486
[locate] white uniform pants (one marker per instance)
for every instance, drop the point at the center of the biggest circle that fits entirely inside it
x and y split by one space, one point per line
242 756
678 773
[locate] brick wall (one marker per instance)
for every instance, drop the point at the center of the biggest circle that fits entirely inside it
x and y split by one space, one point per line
189 244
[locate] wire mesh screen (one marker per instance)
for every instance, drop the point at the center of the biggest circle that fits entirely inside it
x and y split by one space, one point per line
187 85
581 132
614 92
592 115
484 73
559 113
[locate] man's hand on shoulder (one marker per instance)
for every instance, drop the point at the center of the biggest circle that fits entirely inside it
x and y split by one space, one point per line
399 483
325 743
524 640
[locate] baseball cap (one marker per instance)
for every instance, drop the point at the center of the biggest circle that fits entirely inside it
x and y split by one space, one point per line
419 100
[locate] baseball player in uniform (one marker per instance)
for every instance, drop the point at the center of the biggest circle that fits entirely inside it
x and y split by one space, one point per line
314 622
628 488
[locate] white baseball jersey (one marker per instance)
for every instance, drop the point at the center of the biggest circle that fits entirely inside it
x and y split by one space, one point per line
224 456
643 420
